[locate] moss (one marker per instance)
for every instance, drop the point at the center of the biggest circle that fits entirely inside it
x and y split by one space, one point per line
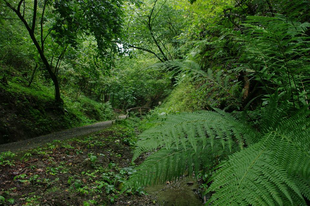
28 112
185 97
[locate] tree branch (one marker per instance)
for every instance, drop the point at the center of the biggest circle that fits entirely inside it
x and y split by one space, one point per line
49 31
32 76
35 6
149 25
19 5
166 50
159 9
41 24
147 50
150 16
24 8
59 59
9 5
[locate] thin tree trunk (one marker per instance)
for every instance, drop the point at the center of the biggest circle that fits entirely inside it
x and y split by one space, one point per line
32 76
246 87
149 24
31 32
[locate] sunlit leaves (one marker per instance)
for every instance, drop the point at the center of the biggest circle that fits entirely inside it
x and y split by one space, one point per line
102 19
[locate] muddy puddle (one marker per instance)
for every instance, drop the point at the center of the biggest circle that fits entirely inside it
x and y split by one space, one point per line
182 192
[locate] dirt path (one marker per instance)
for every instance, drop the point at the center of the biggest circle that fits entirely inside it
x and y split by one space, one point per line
62 135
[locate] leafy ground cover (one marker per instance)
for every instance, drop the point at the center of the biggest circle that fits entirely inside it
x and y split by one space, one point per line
82 171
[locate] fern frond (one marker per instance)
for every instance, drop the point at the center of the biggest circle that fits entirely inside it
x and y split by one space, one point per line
274 171
190 129
296 129
293 158
273 168
188 142
171 164
251 177
296 162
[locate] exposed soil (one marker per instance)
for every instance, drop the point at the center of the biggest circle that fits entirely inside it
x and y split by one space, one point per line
81 171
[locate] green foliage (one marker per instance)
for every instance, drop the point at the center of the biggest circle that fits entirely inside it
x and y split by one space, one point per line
199 89
57 25
101 19
153 27
134 83
276 52
183 98
183 142
268 49
260 45
273 171
3 200
6 158
29 112
231 56
90 110
25 86
83 72
15 51
252 177
270 167
201 16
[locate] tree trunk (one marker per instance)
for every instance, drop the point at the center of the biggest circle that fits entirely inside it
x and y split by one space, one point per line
32 76
31 31
47 65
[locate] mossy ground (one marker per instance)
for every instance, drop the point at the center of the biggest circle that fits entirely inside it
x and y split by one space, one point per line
30 112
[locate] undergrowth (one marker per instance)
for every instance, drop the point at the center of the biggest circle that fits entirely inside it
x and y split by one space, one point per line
242 165
89 170
31 111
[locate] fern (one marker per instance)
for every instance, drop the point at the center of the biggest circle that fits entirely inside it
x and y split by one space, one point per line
189 131
274 170
255 176
276 51
271 167
268 165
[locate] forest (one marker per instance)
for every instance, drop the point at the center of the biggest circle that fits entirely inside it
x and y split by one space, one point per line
216 91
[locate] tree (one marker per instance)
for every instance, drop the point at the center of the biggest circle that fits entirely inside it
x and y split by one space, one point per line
67 21
154 27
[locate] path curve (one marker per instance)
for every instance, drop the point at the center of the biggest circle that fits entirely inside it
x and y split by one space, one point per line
35 142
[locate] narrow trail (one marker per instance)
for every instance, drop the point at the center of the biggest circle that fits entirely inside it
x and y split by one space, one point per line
61 135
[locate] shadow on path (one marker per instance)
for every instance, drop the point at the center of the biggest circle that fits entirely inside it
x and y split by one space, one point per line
62 135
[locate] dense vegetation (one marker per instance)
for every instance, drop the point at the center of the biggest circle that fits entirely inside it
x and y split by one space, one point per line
228 82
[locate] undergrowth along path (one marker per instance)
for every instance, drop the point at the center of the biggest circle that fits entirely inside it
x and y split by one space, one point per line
61 135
